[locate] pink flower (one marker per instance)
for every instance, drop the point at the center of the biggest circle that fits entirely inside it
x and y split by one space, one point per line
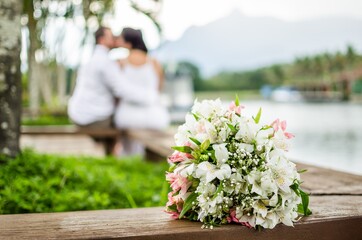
232 218
174 215
174 200
178 182
234 108
179 157
277 124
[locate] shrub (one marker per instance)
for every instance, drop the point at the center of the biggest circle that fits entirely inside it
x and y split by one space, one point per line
50 183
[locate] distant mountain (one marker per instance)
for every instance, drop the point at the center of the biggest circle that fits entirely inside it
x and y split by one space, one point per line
238 42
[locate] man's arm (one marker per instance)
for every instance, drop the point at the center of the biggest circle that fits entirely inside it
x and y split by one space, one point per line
124 89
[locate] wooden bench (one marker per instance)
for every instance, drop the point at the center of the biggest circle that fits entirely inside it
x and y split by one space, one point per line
336 204
157 143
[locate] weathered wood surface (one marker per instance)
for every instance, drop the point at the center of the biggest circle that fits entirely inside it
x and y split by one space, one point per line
334 217
336 200
337 214
68 130
322 181
157 143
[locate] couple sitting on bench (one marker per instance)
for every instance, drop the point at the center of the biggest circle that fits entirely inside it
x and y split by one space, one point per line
123 94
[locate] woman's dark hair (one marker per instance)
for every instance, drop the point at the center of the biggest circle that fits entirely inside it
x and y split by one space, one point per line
134 37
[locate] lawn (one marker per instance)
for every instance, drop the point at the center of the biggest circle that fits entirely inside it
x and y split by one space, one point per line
35 183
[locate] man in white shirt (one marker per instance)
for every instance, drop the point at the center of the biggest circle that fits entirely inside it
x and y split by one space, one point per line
99 82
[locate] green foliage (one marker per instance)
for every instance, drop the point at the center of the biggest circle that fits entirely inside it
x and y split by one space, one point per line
357 86
190 69
49 183
324 68
188 203
47 120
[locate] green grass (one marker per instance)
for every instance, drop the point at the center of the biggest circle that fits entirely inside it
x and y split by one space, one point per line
35 183
46 120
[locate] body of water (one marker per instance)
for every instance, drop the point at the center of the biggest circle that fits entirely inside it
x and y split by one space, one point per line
326 134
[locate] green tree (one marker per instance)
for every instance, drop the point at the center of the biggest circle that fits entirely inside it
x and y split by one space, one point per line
351 55
185 67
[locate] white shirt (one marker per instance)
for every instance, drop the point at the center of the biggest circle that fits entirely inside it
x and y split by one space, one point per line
98 83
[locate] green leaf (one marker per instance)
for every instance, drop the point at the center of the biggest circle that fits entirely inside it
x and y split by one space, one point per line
196 117
237 102
205 145
218 190
188 204
266 127
257 118
184 149
197 142
302 170
305 203
130 199
232 128
172 167
295 188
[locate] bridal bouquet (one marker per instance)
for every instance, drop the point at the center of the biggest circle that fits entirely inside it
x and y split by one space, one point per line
228 167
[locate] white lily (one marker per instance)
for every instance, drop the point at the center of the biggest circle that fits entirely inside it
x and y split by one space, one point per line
208 171
221 153
247 147
269 221
260 208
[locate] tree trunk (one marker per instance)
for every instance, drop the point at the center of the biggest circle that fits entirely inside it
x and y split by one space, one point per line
61 85
33 73
10 77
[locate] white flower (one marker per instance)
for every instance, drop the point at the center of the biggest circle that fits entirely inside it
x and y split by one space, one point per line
287 215
254 179
280 140
221 153
260 208
208 108
208 171
223 134
268 184
204 130
247 131
182 136
247 147
262 137
269 221
244 217
283 172
185 169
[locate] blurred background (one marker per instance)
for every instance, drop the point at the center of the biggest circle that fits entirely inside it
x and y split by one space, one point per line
299 61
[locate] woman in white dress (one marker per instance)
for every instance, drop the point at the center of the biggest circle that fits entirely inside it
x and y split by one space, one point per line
147 73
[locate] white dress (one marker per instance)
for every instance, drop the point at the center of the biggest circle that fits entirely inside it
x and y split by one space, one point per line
130 115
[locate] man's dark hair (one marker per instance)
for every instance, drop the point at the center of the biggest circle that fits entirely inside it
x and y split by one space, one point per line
100 33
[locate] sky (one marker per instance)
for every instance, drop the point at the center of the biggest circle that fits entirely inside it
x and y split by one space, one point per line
178 15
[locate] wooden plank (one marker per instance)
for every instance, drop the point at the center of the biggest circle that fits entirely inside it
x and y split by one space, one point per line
321 181
334 217
155 141
68 130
